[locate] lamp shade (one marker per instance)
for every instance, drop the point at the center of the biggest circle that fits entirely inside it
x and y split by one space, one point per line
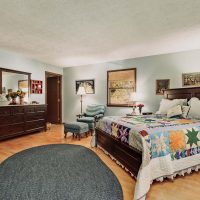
81 90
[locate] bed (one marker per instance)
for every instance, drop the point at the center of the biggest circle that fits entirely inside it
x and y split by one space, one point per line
139 153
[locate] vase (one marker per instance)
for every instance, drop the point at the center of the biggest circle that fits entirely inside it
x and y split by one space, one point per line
13 101
21 101
140 110
133 113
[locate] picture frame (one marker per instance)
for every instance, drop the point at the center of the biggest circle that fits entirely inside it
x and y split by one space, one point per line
121 84
36 87
88 84
23 84
191 79
161 85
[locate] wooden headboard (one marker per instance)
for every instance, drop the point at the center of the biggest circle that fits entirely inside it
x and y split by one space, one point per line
182 93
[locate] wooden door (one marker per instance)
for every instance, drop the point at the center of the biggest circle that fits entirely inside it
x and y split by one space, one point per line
53 99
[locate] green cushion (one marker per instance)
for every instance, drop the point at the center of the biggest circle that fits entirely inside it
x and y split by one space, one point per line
76 127
86 119
94 109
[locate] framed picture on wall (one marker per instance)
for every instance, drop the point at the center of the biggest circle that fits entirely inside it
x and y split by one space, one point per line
191 79
36 86
23 84
120 86
89 85
161 85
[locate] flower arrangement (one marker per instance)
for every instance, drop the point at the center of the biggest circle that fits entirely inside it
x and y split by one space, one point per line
14 95
140 106
21 94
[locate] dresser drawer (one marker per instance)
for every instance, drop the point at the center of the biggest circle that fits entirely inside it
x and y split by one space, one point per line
40 109
30 109
35 116
5 111
17 110
12 129
12 119
35 124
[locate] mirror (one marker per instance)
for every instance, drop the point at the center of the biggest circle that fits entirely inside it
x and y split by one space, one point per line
12 81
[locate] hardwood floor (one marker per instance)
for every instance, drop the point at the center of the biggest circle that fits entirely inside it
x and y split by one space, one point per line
184 188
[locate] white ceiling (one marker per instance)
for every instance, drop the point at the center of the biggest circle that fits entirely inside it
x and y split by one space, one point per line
78 32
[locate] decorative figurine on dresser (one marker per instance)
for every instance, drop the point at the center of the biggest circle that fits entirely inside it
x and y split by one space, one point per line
17 117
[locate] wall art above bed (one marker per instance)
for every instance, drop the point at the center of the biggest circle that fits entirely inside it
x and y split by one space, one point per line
162 85
191 79
120 86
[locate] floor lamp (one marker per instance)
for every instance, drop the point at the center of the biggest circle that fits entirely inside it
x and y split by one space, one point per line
81 92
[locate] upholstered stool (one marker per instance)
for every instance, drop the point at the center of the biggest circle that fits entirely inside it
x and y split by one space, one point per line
77 128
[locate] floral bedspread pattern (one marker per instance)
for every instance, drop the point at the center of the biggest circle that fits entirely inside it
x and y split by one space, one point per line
161 140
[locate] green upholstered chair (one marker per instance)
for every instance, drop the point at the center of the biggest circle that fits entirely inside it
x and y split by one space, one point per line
92 115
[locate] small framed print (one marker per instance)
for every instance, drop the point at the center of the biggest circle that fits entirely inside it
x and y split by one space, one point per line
162 85
191 79
23 84
89 85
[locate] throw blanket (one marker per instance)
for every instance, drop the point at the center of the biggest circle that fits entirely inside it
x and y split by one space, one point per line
168 145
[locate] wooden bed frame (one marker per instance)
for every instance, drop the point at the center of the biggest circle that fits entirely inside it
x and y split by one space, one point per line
126 155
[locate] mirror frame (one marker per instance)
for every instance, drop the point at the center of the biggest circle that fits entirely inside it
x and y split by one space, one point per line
16 72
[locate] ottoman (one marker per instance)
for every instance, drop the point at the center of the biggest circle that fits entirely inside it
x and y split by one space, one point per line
77 128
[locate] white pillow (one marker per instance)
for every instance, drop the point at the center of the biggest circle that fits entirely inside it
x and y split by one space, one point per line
192 99
175 111
166 104
185 110
194 108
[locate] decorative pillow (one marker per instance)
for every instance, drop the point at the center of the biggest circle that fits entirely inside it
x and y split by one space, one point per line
192 99
194 108
166 104
175 111
185 110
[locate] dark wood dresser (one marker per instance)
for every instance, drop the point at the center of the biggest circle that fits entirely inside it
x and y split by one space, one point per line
21 119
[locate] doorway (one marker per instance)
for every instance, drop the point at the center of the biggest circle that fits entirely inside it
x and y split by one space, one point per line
54 97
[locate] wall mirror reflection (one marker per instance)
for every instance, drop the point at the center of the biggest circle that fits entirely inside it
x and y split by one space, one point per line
15 85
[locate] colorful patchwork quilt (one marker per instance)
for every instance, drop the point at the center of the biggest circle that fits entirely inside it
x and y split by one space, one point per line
168 145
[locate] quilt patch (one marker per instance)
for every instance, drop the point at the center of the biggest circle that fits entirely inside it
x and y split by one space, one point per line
159 144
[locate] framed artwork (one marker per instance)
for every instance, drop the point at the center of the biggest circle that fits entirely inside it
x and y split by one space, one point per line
191 79
162 85
89 85
36 87
23 84
120 86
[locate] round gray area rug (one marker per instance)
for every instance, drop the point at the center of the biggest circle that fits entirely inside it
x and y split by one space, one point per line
57 172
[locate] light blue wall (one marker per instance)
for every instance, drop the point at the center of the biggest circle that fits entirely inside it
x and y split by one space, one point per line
169 66
37 69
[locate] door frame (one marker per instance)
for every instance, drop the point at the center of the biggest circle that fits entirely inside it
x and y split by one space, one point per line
51 74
